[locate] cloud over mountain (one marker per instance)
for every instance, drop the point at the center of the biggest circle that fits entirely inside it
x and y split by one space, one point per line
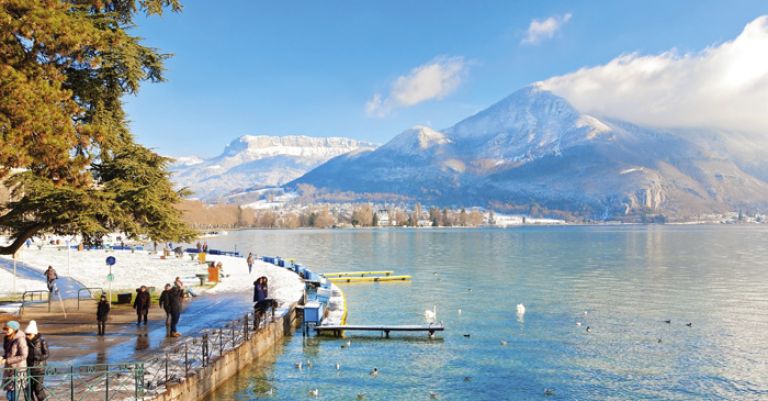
724 86
433 80
540 30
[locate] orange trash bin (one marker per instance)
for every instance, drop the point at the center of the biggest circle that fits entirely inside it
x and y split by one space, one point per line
213 274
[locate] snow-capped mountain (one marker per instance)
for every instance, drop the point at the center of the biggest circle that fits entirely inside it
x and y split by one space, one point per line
534 148
252 162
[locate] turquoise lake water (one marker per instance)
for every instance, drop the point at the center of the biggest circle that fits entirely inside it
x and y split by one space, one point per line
621 281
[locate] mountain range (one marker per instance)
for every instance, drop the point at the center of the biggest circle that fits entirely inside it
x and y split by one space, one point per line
250 163
533 150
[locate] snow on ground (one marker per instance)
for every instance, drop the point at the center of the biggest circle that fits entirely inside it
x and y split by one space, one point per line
6 283
134 269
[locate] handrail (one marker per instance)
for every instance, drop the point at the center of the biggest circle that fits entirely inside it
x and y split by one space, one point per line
24 299
89 291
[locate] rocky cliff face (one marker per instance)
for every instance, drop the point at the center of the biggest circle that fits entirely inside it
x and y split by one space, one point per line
251 162
534 148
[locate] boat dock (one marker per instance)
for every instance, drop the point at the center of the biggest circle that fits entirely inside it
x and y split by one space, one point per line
386 329
367 279
360 274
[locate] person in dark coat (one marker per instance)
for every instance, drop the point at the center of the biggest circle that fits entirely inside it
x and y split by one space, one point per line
165 304
37 355
141 304
174 309
260 293
102 313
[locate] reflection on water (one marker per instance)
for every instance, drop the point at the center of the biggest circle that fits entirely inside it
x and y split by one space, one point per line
622 282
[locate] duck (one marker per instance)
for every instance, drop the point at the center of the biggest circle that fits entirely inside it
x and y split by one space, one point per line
504 343
433 395
668 321
338 366
374 372
298 365
549 392
520 309
467 335
360 396
589 330
689 324
314 392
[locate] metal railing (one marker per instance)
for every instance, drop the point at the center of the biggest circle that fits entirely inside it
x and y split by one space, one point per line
177 362
32 299
90 293
121 382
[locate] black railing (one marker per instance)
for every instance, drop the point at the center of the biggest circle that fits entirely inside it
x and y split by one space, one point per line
87 382
177 362
90 293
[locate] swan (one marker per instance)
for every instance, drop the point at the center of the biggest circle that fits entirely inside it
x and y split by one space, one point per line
431 315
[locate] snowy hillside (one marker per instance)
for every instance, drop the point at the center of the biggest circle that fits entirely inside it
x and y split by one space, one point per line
533 147
252 162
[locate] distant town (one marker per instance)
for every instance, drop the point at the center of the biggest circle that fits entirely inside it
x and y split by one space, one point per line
293 214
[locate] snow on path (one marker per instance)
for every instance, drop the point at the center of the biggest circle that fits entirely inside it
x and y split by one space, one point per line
134 269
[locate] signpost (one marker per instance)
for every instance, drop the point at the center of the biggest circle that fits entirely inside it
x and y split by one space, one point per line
110 277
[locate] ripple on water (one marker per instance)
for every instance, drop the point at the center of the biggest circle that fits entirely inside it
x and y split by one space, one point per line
629 280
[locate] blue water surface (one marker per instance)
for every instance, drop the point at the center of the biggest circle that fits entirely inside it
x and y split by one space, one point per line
623 282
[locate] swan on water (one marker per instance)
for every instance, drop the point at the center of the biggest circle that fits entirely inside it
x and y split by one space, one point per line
431 315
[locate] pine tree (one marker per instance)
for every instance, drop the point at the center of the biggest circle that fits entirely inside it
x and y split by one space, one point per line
65 150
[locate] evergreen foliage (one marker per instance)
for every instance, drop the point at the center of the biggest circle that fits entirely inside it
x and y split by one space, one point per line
65 150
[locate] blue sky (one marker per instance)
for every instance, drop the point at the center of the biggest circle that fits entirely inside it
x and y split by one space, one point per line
356 68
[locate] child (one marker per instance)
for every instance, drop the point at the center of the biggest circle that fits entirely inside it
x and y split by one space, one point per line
102 312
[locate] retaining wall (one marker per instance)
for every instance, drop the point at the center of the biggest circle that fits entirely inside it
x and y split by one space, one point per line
205 380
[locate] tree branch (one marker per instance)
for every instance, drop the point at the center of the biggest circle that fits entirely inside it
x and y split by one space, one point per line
20 239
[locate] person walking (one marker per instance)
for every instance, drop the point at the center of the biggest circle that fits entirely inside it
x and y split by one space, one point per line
141 304
165 303
36 360
249 260
260 293
14 358
180 286
174 309
50 278
102 313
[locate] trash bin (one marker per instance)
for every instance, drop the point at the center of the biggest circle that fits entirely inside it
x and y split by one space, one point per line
313 312
213 274
124 298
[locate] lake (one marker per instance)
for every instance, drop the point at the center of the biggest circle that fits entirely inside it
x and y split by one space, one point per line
623 282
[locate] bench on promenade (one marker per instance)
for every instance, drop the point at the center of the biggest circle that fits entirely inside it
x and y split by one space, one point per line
386 329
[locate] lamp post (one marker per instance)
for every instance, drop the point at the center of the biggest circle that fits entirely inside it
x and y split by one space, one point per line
14 272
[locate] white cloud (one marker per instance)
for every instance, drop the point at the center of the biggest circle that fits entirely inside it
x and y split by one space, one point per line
724 86
546 29
433 80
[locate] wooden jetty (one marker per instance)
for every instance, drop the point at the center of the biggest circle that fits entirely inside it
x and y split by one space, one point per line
360 274
367 279
386 329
